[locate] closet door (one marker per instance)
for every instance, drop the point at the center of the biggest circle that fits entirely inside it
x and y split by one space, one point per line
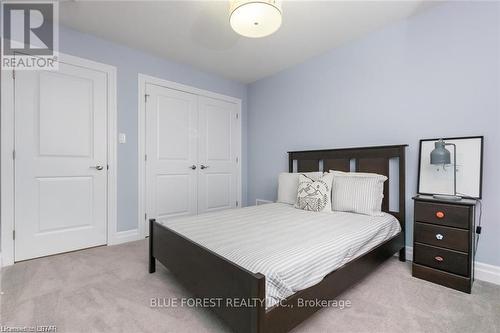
218 147
171 152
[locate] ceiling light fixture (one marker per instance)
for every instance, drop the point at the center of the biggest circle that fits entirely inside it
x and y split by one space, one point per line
255 18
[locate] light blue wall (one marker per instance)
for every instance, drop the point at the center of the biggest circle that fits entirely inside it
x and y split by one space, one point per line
129 63
432 75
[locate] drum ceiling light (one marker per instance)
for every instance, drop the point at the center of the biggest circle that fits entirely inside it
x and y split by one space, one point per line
255 18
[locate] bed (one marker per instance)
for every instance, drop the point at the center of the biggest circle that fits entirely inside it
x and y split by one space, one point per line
271 258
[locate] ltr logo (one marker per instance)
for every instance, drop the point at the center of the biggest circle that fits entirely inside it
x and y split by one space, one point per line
28 28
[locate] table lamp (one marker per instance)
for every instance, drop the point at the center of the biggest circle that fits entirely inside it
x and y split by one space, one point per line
441 156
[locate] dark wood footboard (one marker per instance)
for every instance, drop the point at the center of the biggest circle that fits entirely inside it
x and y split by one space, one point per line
210 276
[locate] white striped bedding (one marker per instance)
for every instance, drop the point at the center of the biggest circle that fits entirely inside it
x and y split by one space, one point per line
293 248
357 192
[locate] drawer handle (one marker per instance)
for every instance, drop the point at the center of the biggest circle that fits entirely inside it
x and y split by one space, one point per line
438 258
439 236
440 214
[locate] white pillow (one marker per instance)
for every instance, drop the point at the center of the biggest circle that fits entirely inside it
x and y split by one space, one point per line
315 194
358 192
288 184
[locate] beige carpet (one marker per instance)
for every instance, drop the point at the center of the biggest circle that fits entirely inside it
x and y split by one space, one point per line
108 289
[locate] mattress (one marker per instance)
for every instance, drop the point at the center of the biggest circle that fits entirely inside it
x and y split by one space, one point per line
293 248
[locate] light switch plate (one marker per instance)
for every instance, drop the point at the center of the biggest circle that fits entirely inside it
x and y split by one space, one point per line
122 138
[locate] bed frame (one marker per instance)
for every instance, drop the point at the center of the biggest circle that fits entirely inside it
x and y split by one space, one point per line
211 276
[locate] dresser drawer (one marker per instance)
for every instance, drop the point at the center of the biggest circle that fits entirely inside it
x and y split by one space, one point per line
442 214
450 238
446 279
446 260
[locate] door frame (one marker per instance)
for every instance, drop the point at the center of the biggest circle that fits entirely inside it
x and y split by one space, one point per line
144 79
7 165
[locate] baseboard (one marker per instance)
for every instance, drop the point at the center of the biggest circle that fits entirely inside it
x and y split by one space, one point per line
125 236
259 202
482 271
409 253
487 272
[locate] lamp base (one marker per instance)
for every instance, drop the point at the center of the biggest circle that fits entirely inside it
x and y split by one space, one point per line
447 197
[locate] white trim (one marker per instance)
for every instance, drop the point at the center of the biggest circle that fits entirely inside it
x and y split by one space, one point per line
259 202
7 167
1 261
7 146
487 272
141 151
112 156
141 130
182 87
482 271
409 253
126 236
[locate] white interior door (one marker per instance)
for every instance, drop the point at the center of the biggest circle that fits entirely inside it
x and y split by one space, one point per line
218 154
171 152
60 138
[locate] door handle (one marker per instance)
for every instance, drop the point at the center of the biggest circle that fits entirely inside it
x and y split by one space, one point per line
98 167
192 167
202 167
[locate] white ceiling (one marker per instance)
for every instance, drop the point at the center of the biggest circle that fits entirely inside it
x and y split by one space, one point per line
197 33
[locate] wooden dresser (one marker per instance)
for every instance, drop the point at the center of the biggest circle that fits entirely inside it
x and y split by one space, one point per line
443 242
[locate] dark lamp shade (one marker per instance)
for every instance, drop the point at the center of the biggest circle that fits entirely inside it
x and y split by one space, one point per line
440 155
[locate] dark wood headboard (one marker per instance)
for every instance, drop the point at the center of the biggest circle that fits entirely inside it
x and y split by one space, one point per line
365 159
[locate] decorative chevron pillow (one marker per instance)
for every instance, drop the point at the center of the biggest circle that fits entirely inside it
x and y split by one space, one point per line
315 194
